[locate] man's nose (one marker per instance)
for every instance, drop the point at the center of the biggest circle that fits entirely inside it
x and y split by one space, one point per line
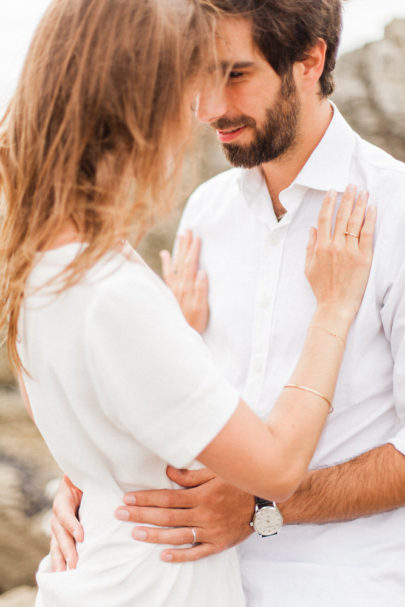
211 103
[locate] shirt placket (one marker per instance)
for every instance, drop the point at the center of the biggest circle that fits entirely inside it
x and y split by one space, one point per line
270 265
269 277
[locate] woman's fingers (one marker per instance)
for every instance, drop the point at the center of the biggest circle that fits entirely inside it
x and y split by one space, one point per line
344 213
188 284
184 243
167 267
192 259
325 217
338 267
201 291
187 260
310 248
356 219
367 231
200 303
313 235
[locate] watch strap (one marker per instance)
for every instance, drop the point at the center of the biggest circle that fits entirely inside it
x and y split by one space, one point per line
261 502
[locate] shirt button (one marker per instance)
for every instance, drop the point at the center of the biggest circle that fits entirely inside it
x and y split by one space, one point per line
274 238
258 367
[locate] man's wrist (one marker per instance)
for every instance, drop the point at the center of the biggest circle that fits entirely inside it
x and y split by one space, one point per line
250 511
292 509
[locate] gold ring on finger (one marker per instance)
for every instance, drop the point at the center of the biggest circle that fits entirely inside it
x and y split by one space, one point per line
194 536
351 234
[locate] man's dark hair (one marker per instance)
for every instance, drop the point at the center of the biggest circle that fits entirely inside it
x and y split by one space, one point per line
283 30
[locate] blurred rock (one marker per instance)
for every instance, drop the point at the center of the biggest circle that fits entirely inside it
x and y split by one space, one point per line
370 90
19 597
25 469
6 376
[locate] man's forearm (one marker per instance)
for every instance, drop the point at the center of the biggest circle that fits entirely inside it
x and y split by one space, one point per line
371 483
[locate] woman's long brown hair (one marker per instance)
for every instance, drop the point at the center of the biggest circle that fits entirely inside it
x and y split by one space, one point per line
88 135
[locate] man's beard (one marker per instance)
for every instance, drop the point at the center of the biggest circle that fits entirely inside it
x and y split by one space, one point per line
275 138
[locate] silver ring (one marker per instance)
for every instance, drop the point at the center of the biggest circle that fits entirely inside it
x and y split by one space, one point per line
351 234
194 536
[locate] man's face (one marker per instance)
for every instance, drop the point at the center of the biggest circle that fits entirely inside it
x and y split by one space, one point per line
255 114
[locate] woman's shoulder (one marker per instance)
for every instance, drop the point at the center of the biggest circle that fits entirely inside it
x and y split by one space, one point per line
118 269
124 284
126 273
119 282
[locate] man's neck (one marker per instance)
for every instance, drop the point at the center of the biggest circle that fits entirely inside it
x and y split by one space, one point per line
281 172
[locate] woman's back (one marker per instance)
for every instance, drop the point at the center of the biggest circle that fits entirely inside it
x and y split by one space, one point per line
120 387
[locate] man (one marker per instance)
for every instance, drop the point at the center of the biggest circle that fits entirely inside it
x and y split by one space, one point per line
342 542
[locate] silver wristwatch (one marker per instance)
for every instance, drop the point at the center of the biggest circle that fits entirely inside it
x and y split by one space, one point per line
267 519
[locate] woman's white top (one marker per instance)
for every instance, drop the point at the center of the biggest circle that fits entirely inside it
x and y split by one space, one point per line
120 386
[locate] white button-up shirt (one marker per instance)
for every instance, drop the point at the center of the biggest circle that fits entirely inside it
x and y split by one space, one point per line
260 307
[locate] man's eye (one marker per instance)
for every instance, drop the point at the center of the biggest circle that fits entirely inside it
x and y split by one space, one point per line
233 75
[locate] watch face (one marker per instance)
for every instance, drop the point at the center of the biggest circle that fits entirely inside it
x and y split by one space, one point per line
267 520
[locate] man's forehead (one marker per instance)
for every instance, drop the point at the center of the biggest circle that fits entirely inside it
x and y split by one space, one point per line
234 39
235 45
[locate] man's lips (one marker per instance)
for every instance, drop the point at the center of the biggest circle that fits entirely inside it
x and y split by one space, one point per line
226 136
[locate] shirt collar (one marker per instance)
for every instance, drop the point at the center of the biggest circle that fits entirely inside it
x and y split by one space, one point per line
252 184
327 168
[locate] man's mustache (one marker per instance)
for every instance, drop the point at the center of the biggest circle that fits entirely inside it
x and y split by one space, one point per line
234 123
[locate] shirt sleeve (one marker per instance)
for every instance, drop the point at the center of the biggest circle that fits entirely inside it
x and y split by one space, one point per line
153 374
393 314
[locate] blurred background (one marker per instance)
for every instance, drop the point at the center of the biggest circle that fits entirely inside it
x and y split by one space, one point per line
370 92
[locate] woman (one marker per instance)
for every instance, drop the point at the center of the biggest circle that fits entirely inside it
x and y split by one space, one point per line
118 383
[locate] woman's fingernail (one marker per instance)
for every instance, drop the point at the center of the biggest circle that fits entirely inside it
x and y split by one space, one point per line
167 557
122 515
77 536
130 500
140 535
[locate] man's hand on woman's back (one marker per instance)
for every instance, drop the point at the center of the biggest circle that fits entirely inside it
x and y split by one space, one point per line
66 529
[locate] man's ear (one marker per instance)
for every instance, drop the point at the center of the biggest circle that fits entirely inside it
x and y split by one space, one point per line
310 69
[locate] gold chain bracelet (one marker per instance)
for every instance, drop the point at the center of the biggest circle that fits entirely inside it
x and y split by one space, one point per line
305 389
338 337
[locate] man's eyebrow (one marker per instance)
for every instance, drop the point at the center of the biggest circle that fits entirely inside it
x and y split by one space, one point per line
238 65
228 66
